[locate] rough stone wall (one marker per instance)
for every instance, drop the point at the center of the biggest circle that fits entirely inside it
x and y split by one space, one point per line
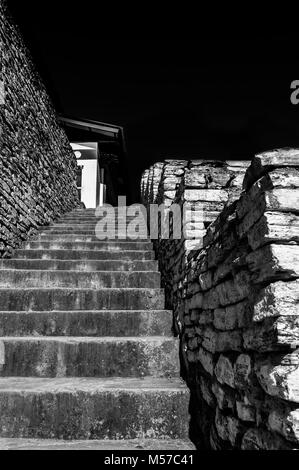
236 311
37 164
201 185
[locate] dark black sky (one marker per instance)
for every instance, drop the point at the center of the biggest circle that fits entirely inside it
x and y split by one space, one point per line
216 96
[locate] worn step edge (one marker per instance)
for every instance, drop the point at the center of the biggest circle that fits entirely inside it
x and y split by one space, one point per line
99 255
86 245
91 237
78 279
155 356
84 408
80 265
59 298
104 444
86 323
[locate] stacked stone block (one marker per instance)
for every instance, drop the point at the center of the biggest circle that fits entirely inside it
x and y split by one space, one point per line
202 187
37 164
237 313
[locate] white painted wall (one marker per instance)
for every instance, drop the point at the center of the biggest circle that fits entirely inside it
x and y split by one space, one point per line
89 183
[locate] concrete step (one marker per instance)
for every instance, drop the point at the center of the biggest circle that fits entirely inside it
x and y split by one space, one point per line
88 223
95 444
89 357
76 279
87 323
85 212
122 235
81 299
96 213
126 255
83 408
94 219
95 245
92 238
79 265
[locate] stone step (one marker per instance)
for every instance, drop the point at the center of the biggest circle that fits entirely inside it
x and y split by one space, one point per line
94 213
87 223
121 235
95 444
92 238
89 357
91 225
87 323
81 299
126 255
81 246
91 408
91 211
94 219
76 279
79 265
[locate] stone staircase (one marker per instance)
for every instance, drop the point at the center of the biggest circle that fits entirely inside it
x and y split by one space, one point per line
87 358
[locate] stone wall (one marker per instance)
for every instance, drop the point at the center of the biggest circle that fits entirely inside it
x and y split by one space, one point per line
202 186
37 165
235 298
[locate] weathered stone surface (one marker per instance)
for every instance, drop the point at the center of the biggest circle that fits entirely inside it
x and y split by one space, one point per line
215 441
245 412
32 405
209 195
228 427
282 199
242 370
268 161
210 299
209 339
285 422
207 177
224 371
268 194
193 244
71 373
274 261
265 231
229 341
90 357
233 262
241 281
279 377
273 334
231 317
260 439
206 392
37 165
284 177
96 444
223 341
231 292
238 311
194 302
225 319
206 280
202 317
225 397
206 360
277 299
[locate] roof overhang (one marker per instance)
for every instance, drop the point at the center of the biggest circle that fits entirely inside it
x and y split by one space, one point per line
93 126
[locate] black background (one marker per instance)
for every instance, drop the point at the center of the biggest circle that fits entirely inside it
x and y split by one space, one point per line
214 94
